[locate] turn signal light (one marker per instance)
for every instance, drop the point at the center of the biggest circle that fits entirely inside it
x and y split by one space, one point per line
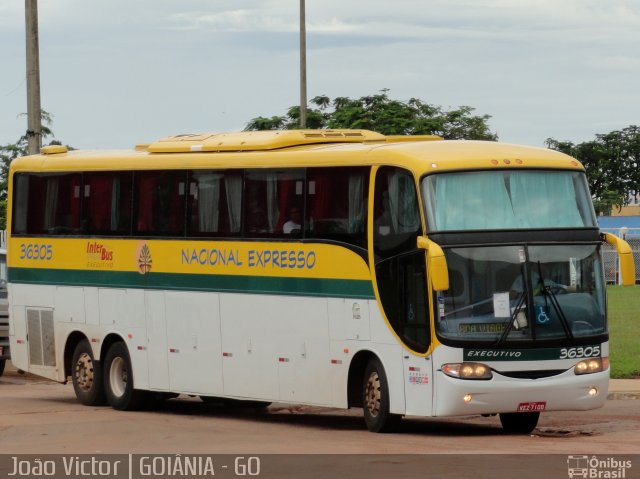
467 370
591 365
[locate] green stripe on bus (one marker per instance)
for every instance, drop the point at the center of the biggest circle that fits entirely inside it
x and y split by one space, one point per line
343 288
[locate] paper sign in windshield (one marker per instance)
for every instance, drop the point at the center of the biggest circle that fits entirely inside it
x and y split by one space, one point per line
501 305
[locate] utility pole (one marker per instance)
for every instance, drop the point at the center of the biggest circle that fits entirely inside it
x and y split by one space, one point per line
34 113
303 67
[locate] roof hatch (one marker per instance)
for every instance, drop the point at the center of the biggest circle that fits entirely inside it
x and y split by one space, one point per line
259 140
53 149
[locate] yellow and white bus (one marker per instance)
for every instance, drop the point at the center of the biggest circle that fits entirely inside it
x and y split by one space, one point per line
341 268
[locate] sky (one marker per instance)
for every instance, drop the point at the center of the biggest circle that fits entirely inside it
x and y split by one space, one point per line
119 72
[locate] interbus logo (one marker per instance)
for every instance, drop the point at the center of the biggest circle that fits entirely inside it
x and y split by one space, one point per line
99 255
144 259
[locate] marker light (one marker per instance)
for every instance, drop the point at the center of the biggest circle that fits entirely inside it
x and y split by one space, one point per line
467 370
591 365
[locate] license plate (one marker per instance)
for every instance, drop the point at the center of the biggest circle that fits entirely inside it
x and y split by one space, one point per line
532 406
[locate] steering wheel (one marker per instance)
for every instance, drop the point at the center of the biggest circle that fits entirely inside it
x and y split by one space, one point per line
557 288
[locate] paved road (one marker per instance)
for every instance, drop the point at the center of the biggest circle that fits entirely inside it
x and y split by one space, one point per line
37 416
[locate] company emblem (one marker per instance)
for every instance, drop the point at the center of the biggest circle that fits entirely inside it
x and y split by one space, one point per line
144 259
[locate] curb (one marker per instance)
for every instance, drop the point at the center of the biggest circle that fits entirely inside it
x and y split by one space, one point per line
623 395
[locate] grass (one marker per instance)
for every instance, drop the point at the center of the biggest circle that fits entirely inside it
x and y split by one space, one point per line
624 331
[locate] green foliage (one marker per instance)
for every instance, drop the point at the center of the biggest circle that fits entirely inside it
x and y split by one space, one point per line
10 152
624 340
611 161
384 115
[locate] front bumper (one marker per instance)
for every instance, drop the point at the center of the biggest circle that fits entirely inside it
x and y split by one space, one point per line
501 394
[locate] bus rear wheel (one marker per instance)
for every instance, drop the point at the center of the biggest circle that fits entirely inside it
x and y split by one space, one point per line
519 422
375 399
86 376
118 380
2 364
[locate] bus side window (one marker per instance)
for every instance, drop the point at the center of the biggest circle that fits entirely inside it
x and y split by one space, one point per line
106 208
52 204
337 204
159 203
20 203
271 199
214 203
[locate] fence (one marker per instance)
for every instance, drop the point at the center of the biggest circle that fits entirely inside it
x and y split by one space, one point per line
610 257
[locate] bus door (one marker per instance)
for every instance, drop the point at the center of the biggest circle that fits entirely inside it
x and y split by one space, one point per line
401 280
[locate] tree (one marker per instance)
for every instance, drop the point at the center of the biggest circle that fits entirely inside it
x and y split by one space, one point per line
611 161
10 152
382 114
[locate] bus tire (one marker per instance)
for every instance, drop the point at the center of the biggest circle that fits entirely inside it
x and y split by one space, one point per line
2 364
519 422
375 399
86 376
118 380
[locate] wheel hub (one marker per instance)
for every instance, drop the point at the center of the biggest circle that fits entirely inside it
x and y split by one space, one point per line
118 376
372 394
84 372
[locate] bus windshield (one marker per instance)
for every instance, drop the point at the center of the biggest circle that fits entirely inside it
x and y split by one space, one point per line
507 294
507 199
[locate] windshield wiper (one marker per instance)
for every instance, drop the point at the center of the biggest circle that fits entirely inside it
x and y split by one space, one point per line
547 292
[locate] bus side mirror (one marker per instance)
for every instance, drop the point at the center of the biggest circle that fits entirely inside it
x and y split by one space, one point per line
436 264
627 268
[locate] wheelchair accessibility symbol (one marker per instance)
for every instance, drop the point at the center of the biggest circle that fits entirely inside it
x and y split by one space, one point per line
541 315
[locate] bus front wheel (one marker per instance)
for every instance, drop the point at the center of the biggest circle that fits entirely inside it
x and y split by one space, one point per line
86 376
2 363
519 422
118 380
375 399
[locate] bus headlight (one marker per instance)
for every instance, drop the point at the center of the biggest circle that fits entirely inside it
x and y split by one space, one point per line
591 365
467 370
